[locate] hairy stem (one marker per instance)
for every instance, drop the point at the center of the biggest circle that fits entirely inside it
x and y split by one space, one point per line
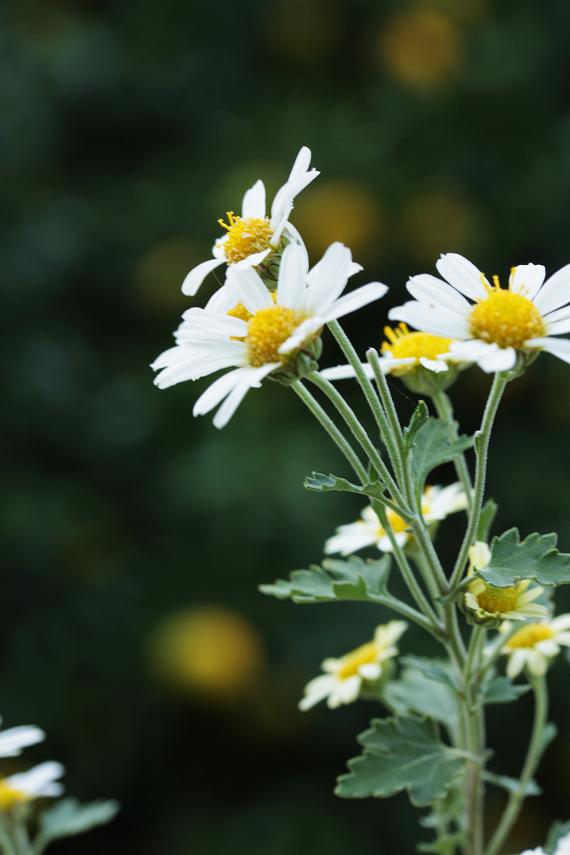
482 451
532 760
474 790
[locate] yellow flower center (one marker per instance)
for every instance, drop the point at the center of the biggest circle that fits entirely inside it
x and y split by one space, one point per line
498 600
505 318
397 524
530 635
364 655
403 344
239 311
267 330
9 797
245 236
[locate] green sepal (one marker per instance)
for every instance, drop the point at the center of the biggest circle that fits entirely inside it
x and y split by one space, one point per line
402 753
334 580
535 557
435 442
422 381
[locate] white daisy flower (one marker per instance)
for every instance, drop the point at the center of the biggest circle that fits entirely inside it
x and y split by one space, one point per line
488 603
263 332
534 644
563 848
13 740
37 783
404 351
491 324
437 503
343 678
253 236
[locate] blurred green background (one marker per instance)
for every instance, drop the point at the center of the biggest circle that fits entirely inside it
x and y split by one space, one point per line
133 535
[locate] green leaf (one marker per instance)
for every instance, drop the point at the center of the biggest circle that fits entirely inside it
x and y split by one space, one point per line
486 520
401 754
319 483
435 443
416 694
501 690
419 418
512 785
555 835
336 579
68 817
437 670
535 557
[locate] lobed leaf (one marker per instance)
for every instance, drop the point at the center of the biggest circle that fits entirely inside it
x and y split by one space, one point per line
535 557
401 754
501 690
435 442
68 818
335 580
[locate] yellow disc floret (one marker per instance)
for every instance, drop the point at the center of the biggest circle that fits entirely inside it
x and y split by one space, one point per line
498 600
364 655
403 344
245 236
268 329
505 318
9 796
530 635
239 311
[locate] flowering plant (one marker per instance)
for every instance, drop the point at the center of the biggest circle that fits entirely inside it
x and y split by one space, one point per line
266 322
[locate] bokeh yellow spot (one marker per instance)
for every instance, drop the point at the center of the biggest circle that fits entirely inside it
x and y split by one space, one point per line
422 47
340 210
209 651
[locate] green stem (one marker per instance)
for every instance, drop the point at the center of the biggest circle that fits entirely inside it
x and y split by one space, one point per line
444 409
329 426
384 427
406 571
6 842
390 410
482 451
474 790
358 432
532 760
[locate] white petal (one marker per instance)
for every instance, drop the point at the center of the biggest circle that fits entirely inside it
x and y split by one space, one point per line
463 275
435 365
439 322
356 299
527 279
301 163
236 396
39 780
555 292
350 538
345 692
291 287
437 294
208 324
516 663
221 300
328 278
370 671
218 391
302 334
317 690
193 368
197 275
558 327
13 740
560 623
249 289
345 372
253 204
502 359
537 663
559 347
251 260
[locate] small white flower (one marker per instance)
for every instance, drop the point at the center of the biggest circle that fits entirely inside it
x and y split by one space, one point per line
262 332
39 782
343 678
563 847
488 603
491 323
13 740
534 644
404 351
253 236
437 503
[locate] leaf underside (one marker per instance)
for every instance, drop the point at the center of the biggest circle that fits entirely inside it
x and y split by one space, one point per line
335 580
